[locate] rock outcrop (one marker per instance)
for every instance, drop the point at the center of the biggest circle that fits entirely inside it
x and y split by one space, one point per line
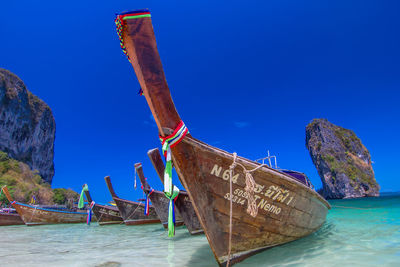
27 126
342 161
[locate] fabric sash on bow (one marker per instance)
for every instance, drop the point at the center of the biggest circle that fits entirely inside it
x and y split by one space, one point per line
81 202
89 217
170 190
147 201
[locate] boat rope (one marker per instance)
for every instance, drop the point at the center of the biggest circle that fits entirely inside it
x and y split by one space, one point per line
81 202
171 191
233 165
251 202
250 185
138 205
101 216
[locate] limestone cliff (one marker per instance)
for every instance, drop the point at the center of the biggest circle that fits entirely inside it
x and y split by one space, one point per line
342 161
27 126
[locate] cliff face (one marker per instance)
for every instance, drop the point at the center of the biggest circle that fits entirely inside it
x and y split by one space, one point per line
342 161
27 126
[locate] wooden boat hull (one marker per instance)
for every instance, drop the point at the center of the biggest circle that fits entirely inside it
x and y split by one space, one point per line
287 209
32 215
189 216
182 203
37 216
132 212
104 214
10 219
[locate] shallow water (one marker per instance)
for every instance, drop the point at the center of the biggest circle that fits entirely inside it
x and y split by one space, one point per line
364 232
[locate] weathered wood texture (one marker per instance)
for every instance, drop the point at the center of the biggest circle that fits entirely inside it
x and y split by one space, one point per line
183 203
104 214
32 215
132 212
10 219
158 199
287 209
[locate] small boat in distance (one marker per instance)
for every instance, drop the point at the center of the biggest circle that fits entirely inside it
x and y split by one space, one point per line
105 214
182 203
10 217
34 215
132 212
244 207
158 199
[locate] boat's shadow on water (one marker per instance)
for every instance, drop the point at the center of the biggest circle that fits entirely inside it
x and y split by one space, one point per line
290 253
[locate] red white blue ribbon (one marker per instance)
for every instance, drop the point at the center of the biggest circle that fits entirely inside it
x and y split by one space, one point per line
147 203
170 190
89 217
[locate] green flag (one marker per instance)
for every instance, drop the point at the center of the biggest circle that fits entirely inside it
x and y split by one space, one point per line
81 202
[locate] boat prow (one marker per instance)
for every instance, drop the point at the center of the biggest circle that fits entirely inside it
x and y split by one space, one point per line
105 214
34 215
132 212
242 206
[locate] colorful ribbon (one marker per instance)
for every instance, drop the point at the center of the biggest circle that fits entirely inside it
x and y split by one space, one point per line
147 203
119 22
171 211
81 202
89 217
170 190
33 200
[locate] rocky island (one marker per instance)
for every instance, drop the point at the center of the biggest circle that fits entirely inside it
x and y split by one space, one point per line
27 134
342 161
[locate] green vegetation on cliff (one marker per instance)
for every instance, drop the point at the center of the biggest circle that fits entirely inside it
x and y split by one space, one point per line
23 183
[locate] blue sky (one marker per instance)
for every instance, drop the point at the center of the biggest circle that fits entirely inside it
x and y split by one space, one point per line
245 76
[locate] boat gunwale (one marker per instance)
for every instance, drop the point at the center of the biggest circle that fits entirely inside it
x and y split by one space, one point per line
256 164
49 210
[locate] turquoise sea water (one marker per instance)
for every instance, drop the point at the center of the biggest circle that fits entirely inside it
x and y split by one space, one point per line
363 232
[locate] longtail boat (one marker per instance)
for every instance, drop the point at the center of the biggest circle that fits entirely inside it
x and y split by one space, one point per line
182 203
105 214
34 215
157 198
8 218
132 212
243 206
